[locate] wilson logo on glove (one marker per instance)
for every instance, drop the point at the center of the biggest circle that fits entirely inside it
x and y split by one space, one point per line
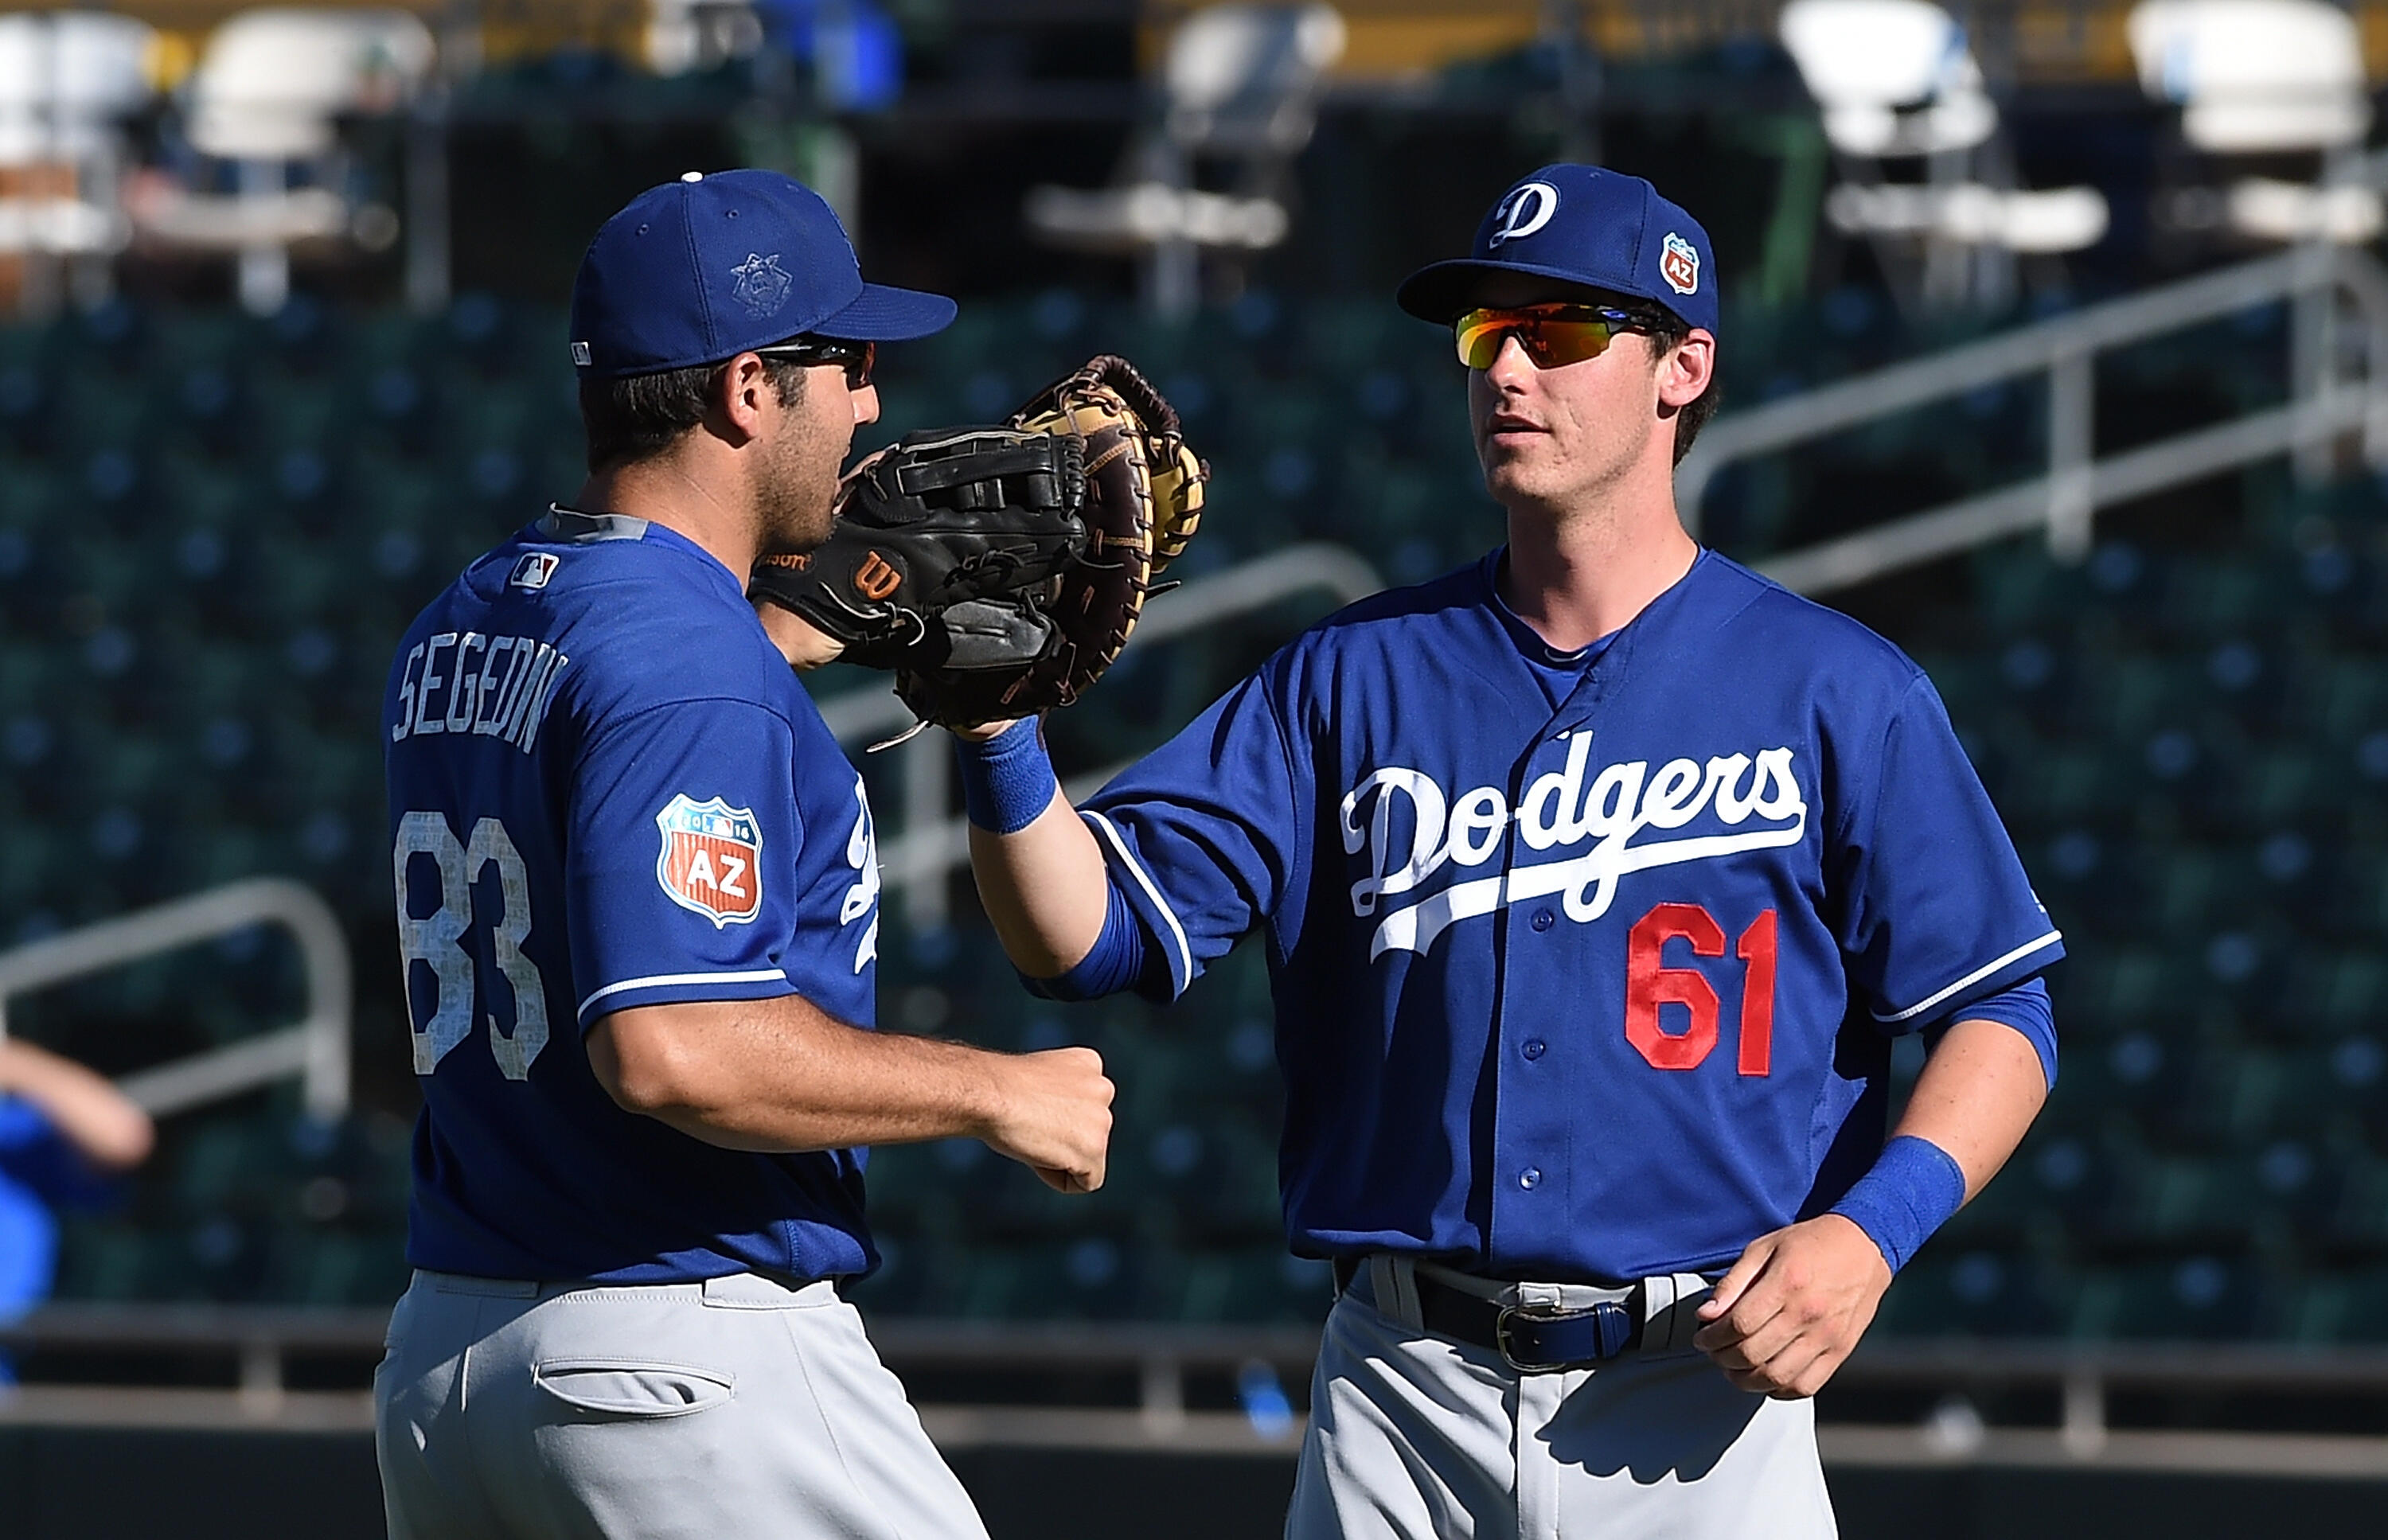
711 859
878 577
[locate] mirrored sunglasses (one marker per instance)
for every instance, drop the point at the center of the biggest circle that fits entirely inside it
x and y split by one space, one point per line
1553 336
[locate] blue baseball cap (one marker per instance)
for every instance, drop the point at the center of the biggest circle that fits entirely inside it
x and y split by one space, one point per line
1578 224
703 269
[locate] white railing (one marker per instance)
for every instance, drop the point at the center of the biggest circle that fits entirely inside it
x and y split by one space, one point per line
2063 500
316 1049
929 842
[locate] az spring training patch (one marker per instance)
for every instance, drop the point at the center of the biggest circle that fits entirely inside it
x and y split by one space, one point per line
711 860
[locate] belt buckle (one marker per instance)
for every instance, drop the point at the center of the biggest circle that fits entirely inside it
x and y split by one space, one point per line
1501 1334
1501 1320
1600 1312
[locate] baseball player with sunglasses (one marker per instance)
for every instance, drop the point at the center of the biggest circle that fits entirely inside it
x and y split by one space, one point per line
1595 879
638 903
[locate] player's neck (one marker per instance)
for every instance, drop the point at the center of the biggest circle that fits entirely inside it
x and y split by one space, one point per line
662 491
1577 574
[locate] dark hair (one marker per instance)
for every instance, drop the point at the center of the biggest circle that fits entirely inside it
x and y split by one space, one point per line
1666 330
640 416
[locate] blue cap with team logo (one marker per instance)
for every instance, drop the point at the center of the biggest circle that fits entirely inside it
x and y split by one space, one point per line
1585 225
703 269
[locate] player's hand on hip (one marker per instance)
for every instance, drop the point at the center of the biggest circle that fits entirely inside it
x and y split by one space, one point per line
1794 1304
1054 1116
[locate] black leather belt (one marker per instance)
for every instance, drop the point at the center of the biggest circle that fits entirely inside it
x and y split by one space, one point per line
1532 1339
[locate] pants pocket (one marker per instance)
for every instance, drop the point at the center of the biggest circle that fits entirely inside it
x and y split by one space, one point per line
633 1387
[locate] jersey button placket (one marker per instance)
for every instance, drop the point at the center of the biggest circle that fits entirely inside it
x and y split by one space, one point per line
1531 1120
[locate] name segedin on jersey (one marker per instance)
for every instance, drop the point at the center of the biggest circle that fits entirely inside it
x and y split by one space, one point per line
1558 811
505 694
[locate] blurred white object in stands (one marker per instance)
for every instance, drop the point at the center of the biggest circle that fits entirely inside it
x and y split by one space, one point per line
2255 75
1892 76
65 78
1240 83
1142 217
67 81
683 35
2266 77
270 87
2062 219
2290 211
1243 80
1895 80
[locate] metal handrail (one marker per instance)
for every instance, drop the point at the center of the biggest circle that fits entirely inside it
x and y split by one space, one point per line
316 1049
2075 485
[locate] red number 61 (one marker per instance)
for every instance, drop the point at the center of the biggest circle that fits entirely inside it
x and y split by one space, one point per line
1650 983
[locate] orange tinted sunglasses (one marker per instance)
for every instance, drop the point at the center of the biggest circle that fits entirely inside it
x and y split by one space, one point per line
1552 336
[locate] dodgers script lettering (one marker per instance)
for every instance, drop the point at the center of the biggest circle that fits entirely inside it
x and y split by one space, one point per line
1558 811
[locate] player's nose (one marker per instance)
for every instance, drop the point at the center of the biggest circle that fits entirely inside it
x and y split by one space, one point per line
1510 368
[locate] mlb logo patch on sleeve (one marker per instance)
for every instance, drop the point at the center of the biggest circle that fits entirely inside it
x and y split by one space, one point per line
711 860
533 571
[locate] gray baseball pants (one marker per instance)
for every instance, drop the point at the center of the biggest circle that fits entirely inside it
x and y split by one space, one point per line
680 1412
1418 1437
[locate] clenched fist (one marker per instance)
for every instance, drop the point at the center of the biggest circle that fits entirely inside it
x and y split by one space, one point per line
1794 1306
1054 1116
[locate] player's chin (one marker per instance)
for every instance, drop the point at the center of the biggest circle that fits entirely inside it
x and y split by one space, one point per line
1515 474
798 532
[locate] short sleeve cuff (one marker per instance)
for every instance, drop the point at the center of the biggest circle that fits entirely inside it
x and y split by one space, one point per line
1143 895
1993 978
677 989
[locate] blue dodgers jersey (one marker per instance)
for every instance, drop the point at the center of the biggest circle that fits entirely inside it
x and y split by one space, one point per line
1561 993
607 791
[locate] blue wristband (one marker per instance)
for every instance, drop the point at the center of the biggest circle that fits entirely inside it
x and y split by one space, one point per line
1007 782
1911 1191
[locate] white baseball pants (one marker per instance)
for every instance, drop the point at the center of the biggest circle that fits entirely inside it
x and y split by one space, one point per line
684 1411
1417 1437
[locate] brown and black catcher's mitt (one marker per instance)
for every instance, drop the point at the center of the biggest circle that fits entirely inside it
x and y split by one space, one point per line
999 570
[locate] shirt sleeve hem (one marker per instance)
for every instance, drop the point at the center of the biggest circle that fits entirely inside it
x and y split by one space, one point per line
1144 895
674 989
1989 978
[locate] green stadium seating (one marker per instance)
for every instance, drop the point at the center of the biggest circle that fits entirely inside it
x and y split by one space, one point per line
212 529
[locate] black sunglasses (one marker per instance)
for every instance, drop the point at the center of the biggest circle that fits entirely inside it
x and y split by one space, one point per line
858 356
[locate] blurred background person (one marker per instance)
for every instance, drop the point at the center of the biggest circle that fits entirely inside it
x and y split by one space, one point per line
66 1135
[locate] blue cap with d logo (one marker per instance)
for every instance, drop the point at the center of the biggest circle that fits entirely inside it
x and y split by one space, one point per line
1585 226
703 269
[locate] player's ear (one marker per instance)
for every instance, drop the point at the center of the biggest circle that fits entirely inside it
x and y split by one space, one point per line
1686 368
739 392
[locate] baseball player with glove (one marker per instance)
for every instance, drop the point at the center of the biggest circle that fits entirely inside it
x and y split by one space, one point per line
637 893
1596 878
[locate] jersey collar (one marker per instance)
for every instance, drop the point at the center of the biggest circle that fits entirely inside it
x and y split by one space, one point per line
572 526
